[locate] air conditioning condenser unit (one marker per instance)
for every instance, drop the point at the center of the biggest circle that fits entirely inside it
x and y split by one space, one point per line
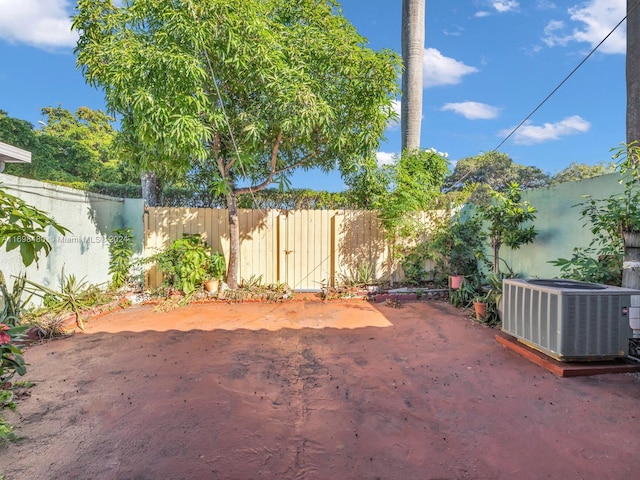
570 320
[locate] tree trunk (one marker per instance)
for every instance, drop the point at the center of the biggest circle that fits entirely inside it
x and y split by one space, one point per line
413 12
496 256
234 241
151 189
631 275
633 71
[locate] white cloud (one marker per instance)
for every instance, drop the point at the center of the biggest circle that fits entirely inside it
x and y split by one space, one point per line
453 31
41 23
503 6
545 5
530 134
472 110
594 19
385 158
500 6
441 70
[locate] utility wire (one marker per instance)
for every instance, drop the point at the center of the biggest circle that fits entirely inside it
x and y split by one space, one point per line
566 78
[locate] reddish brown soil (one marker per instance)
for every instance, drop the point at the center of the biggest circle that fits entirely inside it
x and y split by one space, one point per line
306 390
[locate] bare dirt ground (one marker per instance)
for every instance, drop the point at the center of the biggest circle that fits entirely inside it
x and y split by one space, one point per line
306 390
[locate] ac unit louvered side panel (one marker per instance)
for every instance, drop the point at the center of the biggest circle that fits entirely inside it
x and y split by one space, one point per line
531 315
593 326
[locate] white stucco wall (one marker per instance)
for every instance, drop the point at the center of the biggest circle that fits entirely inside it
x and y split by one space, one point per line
90 217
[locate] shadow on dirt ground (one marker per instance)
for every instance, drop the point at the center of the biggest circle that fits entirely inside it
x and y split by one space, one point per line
290 392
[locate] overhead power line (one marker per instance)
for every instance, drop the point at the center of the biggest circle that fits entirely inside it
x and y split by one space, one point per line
565 79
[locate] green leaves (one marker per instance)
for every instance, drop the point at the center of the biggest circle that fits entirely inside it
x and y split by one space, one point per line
120 253
186 264
195 80
73 296
11 359
25 228
70 147
509 220
497 170
414 182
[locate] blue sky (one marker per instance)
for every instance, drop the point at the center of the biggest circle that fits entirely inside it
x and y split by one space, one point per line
488 64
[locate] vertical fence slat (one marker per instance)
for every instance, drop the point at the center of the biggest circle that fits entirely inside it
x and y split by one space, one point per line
282 246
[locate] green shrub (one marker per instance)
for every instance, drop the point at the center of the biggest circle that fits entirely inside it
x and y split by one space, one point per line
120 253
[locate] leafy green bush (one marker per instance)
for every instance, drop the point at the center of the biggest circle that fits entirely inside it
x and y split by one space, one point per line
11 363
120 253
217 267
185 264
608 219
457 248
21 226
11 303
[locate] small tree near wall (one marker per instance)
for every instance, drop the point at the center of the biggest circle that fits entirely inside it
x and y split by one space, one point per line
508 217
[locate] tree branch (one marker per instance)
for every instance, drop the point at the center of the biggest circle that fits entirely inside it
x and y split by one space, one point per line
273 172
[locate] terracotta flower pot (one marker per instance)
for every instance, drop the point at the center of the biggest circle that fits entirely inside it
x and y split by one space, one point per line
455 281
211 285
481 310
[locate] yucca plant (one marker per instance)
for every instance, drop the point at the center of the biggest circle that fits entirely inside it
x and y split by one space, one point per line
74 296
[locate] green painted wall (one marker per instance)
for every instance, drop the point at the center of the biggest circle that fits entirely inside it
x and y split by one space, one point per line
560 228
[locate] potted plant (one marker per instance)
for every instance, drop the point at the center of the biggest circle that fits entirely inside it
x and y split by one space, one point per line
215 272
480 307
493 296
463 297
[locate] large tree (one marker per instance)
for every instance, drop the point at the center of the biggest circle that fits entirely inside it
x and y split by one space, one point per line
580 171
412 57
258 88
54 158
497 170
93 129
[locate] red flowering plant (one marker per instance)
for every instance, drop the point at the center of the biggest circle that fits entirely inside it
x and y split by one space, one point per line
11 361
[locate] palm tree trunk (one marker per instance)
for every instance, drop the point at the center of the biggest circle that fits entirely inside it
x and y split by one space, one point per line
413 12
633 71
631 271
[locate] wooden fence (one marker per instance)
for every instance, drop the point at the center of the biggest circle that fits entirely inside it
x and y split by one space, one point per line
302 248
